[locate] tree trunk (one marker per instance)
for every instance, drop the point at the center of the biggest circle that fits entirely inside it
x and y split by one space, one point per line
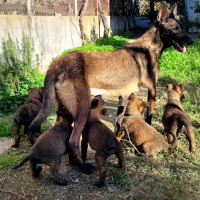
151 14
104 20
84 37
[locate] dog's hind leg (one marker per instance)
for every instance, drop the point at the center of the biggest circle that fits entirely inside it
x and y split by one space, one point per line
16 127
100 161
35 170
120 156
53 173
82 101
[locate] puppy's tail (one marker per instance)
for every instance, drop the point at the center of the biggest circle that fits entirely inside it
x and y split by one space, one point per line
189 133
47 102
173 143
23 162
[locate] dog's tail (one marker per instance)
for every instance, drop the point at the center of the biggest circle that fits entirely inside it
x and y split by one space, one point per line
189 133
23 162
173 143
47 102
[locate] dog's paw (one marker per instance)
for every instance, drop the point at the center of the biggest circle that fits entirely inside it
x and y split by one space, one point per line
62 182
15 145
89 168
99 183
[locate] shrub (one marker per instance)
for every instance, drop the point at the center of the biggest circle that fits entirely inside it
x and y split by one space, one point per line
18 72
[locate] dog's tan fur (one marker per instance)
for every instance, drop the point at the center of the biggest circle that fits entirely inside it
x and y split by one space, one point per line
174 117
142 135
26 113
117 72
101 139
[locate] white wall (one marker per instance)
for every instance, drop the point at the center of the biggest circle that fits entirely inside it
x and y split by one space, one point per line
52 35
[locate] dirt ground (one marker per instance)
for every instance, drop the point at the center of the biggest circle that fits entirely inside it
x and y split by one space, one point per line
19 184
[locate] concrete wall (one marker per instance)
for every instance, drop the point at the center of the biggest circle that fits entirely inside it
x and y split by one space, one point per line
52 35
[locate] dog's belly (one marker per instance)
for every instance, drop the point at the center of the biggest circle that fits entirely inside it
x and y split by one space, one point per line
110 92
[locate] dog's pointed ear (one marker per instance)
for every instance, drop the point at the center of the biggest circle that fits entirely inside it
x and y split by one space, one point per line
162 14
120 97
30 90
178 88
94 103
131 97
169 87
174 11
142 106
41 90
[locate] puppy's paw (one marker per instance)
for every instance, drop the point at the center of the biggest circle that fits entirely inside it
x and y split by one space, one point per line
89 168
15 145
99 183
62 182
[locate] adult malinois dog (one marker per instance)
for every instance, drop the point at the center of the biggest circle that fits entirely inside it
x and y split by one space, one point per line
119 72
174 117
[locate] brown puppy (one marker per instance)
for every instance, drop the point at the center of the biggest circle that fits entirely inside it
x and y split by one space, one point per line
71 77
26 114
174 117
101 139
142 135
50 146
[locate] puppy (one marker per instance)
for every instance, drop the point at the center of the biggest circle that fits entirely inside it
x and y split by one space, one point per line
26 114
50 146
146 138
101 139
174 117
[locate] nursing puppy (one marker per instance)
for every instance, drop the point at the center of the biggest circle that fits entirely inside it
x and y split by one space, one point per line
50 146
101 139
26 114
146 138
174 117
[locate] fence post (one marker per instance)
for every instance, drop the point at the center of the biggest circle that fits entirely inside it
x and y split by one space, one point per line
29 7
75 7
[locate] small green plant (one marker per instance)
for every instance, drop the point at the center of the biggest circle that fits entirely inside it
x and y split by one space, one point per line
18 72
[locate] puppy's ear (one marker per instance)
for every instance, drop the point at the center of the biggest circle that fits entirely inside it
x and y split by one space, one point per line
142 106
94 103
131 97
178 88
104 112
173 14
162 14
30 90
41 90
169 87
120 97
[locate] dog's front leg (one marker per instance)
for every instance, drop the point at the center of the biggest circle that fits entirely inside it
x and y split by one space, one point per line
151 100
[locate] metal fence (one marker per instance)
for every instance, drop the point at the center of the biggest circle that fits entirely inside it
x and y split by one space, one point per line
50 7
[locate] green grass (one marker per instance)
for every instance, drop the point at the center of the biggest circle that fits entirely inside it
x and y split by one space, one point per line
176 67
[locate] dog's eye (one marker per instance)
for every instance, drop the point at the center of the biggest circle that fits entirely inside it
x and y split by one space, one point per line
176 28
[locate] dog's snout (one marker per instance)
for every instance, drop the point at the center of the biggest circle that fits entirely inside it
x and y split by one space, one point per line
183 97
